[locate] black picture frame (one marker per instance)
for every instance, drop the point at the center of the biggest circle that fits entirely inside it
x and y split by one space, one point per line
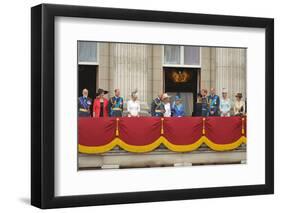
43 117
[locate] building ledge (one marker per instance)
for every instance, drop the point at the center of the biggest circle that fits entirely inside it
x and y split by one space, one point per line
161 157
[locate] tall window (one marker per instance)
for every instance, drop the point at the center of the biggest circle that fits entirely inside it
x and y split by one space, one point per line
87 52
182 56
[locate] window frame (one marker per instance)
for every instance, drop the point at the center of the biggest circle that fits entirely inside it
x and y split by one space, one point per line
88 62
181 58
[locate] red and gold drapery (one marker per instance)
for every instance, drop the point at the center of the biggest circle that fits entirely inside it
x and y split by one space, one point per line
144 134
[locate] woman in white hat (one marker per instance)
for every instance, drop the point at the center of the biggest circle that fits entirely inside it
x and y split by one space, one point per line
133 105
167 105
239 105
225 104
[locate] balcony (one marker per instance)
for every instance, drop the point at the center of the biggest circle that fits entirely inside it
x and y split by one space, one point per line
108 143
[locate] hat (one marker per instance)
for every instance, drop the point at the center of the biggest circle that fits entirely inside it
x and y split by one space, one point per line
177 98
224 90
100 91
165 95
239 94
134 93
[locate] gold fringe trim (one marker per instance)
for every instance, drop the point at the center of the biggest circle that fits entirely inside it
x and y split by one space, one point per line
203 128
158 142
162 126
117 127
243 129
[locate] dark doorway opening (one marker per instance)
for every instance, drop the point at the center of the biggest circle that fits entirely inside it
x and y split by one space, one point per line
87 78
182 82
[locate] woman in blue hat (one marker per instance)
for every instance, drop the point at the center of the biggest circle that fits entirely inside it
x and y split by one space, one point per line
177 108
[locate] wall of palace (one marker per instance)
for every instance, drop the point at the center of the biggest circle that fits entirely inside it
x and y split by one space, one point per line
140 66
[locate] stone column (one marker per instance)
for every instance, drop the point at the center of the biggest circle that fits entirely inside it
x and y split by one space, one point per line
103 68
224 68
157 83
230 66
130 69
206 71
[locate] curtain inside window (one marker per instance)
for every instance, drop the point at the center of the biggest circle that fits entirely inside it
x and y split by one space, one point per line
171 54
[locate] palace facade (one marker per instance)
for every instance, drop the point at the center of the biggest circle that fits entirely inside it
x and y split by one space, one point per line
154 69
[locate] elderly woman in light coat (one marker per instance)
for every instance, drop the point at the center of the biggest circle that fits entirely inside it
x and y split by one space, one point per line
133 105
225 104
239 105
167 105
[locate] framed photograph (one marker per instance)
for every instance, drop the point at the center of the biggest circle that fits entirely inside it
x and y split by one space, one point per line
136 106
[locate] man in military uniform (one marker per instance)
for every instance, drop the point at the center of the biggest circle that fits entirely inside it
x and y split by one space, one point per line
157 107
84 104
116 105
214 102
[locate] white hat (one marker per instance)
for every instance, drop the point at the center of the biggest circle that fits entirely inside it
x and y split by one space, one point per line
224 90
134 93
165 95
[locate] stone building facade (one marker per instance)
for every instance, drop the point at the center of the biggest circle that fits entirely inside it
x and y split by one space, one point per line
141 66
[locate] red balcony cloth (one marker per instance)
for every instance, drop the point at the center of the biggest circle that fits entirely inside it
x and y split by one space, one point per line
96 131
223 130
183 130
139 131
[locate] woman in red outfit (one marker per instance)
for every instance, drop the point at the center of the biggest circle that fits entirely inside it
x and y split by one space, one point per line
100 107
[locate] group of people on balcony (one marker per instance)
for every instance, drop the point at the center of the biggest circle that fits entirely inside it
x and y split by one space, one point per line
102 107
161 107
213 105
206 105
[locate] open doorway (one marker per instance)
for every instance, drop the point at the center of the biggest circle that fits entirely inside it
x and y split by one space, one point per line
87 78
182 82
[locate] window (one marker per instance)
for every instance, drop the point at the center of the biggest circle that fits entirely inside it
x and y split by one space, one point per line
172 54
191 55
87 52
182 56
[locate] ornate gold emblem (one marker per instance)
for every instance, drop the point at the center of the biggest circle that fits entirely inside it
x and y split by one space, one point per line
180 76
